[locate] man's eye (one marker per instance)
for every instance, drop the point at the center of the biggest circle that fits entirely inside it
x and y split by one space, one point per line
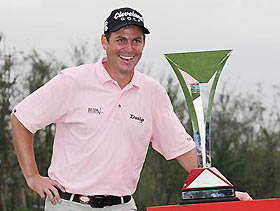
120 40
137 41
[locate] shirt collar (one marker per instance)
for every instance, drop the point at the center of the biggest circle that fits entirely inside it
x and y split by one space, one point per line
101 73
135 81
104 76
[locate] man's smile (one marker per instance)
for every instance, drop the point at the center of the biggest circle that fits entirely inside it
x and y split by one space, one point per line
126 58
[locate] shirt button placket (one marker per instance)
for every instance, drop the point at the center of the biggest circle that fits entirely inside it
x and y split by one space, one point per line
118 111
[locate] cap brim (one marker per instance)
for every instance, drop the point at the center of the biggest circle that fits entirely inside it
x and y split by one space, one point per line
116 28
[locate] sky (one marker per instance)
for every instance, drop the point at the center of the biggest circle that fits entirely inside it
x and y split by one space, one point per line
250 27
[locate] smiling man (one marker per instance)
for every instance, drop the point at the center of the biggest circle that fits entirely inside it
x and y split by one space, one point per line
124 49
106 114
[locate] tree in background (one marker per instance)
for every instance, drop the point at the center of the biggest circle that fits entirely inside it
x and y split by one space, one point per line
246 143
81 53
4 135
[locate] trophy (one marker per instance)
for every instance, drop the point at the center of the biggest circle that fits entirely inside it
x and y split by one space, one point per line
206 183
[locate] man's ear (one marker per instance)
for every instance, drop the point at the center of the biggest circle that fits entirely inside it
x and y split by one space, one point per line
104 41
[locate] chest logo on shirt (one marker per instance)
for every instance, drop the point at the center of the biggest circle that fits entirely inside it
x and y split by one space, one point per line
138 118
95 111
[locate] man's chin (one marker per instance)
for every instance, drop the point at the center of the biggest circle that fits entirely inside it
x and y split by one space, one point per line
127 68
126 71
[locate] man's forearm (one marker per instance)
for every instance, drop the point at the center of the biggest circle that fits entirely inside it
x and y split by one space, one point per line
188 160
23 143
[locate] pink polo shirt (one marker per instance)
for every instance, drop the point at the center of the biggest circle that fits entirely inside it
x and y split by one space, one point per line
103 131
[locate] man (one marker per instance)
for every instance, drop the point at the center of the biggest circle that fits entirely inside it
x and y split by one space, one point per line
106 114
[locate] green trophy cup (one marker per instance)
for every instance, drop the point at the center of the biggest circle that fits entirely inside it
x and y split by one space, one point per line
205 184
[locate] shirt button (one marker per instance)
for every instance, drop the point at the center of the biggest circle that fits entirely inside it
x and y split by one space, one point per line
120 105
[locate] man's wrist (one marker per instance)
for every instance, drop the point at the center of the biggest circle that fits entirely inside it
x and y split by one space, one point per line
30 177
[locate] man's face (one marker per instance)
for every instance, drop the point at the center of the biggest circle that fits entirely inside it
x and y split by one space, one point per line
124 49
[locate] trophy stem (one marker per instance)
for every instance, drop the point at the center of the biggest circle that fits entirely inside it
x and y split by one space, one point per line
208 146
199 153
209 111
199 135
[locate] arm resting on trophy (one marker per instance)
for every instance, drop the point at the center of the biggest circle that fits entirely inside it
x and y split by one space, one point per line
188 160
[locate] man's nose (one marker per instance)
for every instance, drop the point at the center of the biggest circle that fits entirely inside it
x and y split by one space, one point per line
129 46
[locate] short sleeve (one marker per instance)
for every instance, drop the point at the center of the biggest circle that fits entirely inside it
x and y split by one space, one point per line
169 137
44 106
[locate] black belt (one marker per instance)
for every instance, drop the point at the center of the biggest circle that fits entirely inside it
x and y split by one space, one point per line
97 201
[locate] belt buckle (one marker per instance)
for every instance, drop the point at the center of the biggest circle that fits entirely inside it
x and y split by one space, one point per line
84 199
98 201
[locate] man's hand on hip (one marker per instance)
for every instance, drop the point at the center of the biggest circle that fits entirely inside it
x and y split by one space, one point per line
45 186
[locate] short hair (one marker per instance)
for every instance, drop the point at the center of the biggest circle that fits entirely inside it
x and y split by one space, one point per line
108 35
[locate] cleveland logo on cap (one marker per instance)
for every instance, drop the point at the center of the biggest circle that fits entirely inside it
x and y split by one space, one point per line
122 17
129 16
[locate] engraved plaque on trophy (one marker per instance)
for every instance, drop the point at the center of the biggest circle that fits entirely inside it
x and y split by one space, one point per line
205 184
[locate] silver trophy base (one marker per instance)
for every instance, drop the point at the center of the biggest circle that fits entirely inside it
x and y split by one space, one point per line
208 195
